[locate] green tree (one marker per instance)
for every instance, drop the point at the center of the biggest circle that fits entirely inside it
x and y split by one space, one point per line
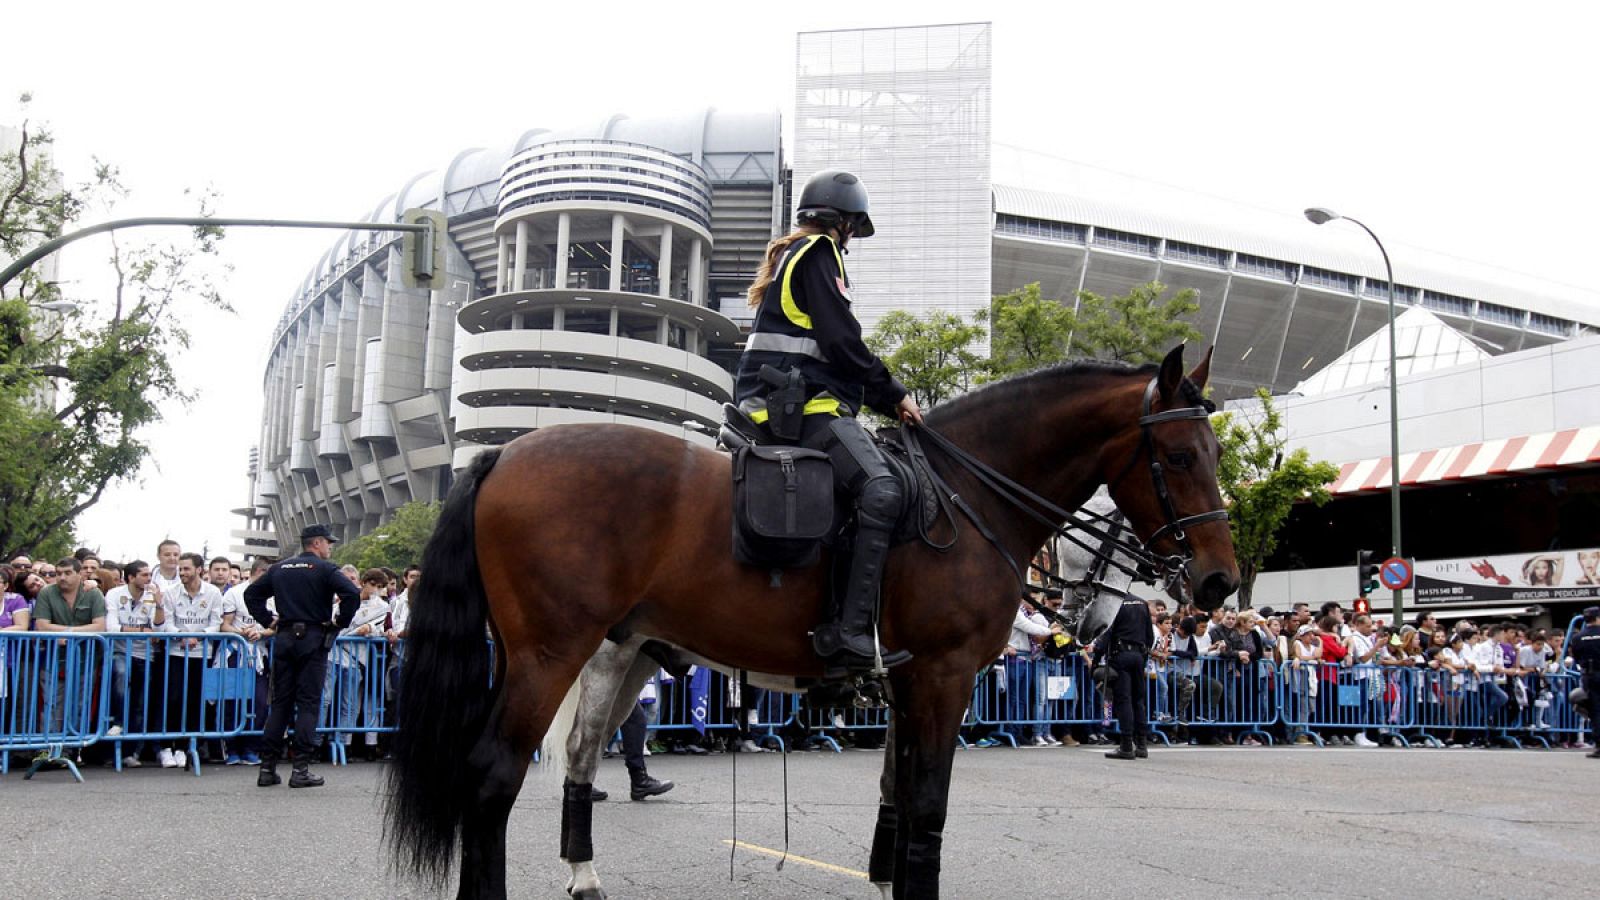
1136 327
1261 484
396 543
1028 331
935 358
76 388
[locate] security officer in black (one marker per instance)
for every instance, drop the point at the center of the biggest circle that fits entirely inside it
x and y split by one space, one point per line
1585 651
806 373
1125 646
305 587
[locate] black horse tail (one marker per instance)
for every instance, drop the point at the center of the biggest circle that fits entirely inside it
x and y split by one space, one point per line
445 696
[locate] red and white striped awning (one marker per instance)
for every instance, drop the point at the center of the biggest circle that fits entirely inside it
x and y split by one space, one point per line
1529 453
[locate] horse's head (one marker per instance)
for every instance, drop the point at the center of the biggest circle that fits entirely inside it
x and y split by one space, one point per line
1163 475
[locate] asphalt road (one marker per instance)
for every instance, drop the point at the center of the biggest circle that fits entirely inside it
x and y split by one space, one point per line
1189 822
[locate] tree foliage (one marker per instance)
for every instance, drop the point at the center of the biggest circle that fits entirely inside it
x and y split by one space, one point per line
935 358
1028 331
396 543
77 388
1136 327
1261 484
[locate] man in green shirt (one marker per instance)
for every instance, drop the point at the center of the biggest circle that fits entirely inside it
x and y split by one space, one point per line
67 605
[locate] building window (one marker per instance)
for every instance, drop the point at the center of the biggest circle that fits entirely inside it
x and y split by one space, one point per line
1500 315
1178 251
1447 303
1125 241
1549 324
1042 229
1325 278
1265 267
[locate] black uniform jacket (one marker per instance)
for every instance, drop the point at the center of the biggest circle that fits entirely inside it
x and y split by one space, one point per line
305 586
1131 626
806 314
1585 649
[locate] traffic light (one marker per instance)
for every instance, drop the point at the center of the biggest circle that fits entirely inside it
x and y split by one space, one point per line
1367 565
1363 606
424 251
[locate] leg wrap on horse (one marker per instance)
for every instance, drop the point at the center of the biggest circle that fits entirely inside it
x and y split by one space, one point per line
577 822
880 862
922 865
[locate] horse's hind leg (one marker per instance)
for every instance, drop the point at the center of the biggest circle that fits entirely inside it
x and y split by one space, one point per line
523 708
610 686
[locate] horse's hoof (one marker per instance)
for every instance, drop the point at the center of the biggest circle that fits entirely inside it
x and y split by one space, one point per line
590 894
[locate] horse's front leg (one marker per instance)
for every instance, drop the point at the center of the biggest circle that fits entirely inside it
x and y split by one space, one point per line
880 862
927 722
609 689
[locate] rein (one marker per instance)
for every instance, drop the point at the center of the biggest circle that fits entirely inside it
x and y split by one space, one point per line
1148 564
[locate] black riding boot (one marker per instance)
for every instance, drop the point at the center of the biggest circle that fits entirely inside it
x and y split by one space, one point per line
268 775
1140 749
1126 751
302 777
848 645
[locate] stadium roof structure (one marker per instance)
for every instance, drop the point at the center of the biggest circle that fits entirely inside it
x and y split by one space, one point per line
1423 342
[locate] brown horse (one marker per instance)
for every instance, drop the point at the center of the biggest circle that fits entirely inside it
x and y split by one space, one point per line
569 532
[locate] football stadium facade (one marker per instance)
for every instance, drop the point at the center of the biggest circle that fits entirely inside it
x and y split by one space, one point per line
597 273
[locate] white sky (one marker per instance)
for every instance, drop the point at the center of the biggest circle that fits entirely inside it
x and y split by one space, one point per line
1465 127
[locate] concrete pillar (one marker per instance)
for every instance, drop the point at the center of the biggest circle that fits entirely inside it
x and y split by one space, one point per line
521 265
516 321
500 265
558 319
666 260
563 238
693 291
661 331
618 229
614 323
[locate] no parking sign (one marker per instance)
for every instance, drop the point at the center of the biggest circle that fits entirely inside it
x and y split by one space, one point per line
1395 573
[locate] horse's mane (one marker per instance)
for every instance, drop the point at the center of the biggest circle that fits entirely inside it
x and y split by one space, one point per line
1062 376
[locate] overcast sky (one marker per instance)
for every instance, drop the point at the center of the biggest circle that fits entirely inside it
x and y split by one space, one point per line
1465 128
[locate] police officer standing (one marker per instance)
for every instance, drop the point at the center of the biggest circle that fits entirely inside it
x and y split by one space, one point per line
1125 646
304 586
1585 651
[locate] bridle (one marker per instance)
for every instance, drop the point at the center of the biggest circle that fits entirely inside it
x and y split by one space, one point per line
1149 566
1147 422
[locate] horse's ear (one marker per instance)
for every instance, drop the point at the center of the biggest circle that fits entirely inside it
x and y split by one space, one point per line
1171 373
1202 372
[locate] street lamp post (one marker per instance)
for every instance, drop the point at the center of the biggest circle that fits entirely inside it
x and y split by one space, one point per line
1321 216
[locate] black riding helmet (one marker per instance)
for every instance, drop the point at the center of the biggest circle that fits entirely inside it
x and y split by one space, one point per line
832 197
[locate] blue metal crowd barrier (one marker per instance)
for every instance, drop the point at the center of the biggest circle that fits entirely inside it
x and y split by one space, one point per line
49 683
356 693
1214 692
156 695
1317 697
1023 697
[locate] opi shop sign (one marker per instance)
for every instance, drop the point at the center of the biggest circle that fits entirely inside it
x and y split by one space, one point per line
1556 576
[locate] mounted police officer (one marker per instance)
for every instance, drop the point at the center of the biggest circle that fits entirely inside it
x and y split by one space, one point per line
805 375
1125 646
1585 651
304 588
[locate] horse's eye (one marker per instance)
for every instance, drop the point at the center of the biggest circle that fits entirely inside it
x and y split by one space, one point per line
1180 459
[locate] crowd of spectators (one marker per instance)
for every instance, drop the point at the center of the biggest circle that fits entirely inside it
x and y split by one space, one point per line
1346 680
1208 672
155 681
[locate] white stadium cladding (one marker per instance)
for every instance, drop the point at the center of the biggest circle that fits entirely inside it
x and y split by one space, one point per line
375 393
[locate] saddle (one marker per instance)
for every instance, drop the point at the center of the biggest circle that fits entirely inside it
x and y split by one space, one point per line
784 505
